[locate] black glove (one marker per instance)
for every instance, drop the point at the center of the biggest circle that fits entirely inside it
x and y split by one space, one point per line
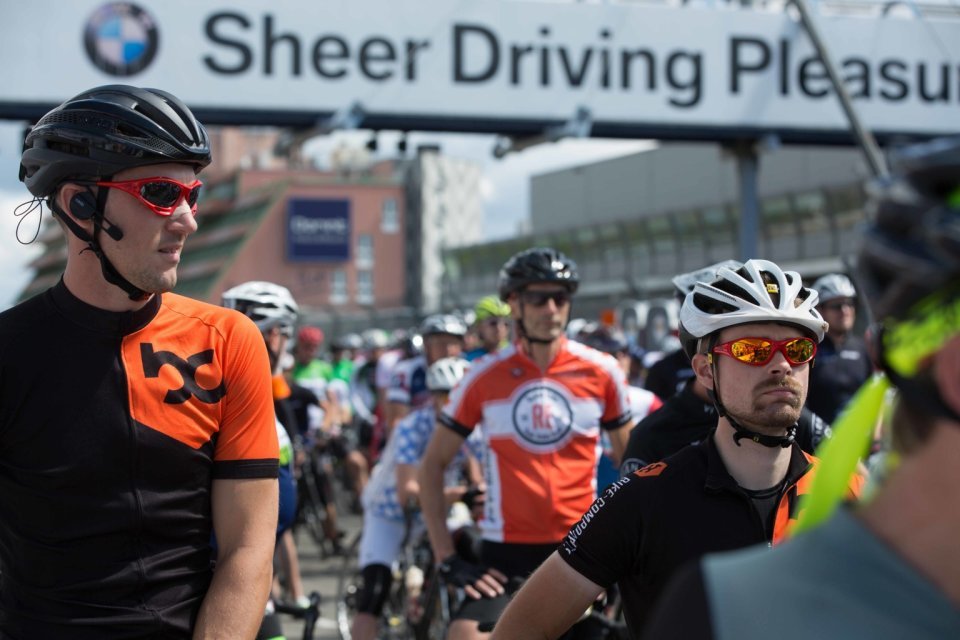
458 572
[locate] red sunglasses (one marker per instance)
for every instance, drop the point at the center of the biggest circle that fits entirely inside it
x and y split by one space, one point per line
162 195
759 351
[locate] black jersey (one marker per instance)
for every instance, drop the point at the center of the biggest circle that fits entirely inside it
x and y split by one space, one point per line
649 523
668 375
836 375
113 427
686 419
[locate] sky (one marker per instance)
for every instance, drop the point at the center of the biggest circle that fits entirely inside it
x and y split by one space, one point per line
505 188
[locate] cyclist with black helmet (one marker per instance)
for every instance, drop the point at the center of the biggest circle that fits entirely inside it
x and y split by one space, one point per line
442 336
162 427
751 334
843 363
542 402
890 568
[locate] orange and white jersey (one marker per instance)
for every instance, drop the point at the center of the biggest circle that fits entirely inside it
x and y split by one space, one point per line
542 431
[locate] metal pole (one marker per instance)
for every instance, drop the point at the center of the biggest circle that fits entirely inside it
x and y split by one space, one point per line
747 169
864 138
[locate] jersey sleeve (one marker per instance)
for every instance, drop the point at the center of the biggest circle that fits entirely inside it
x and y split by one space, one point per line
246 443
464 409
602 545
616 412
635 455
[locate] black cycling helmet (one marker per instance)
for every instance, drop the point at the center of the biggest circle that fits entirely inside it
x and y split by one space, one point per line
99 133
540 264
347 342
911 247
443 324
604 338
108 129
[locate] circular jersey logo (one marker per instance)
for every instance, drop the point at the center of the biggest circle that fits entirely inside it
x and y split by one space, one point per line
542 416
121 38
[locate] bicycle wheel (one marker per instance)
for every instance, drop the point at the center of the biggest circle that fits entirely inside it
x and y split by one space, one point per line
349 583
435 606
312 512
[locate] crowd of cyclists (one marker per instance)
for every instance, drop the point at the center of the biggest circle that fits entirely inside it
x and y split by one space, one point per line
557 413
563 490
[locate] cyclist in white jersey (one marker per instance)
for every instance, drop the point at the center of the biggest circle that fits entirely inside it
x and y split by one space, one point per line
392 486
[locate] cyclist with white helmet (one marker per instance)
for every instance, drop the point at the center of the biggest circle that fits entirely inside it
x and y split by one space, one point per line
274 311
442 336
843 363
161 427
690 415
888 569
492 324
393 487
540 405
752 333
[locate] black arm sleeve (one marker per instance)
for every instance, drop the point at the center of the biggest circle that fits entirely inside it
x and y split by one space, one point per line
682 612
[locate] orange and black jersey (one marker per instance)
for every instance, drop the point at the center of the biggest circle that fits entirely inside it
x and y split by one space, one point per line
113 427
651 522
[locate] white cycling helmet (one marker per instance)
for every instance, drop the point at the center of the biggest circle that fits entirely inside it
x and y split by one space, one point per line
445 373
833 286
759 291
684 282
267 304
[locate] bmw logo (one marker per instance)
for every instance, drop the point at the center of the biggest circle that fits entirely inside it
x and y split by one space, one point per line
121 38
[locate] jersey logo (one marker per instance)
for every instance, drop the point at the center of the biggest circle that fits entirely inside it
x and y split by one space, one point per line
154 360
651 470
542 416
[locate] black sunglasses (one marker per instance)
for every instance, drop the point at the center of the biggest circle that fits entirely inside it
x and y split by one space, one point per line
560 297
838 306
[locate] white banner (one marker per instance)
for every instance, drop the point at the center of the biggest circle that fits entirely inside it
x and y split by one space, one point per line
488 65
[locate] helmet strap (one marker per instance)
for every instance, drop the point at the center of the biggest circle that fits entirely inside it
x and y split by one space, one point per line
526 336
110 273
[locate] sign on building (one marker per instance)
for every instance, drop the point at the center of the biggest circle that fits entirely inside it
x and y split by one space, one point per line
318 230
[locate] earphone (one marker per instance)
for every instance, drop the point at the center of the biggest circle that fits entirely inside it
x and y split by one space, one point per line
83 205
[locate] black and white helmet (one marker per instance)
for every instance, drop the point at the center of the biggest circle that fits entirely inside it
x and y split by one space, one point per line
759 291
445 373
537 265
833 286
443 324
268 304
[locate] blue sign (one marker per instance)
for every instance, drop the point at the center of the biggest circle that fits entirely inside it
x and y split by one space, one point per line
318 230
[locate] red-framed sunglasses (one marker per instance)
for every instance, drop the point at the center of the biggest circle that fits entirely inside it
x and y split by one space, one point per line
759 351
162 195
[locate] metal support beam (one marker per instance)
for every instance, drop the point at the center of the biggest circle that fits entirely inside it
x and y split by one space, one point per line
864 138
747 170
347 118
578 126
